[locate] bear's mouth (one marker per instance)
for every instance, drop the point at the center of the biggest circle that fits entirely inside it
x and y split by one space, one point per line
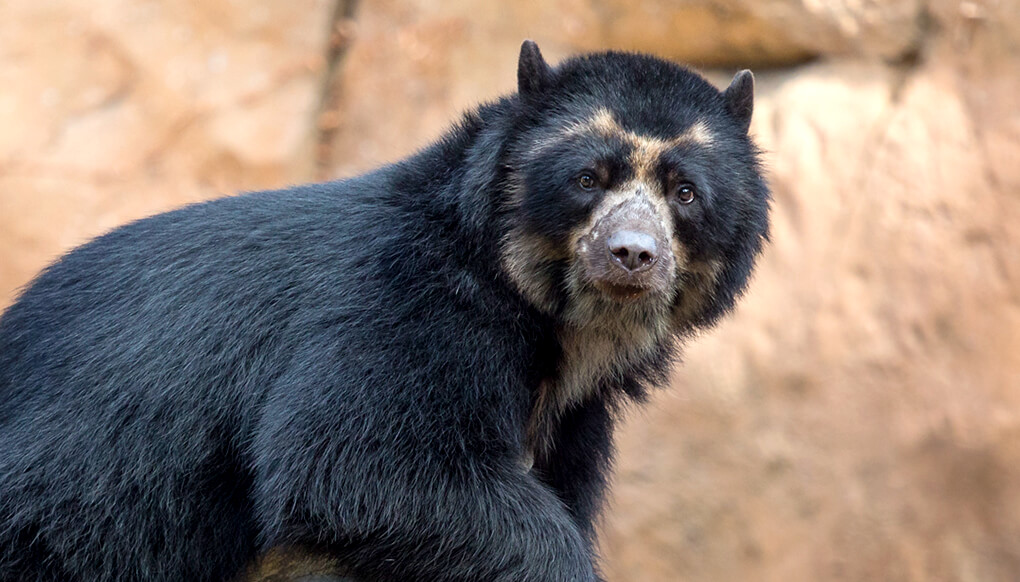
623 292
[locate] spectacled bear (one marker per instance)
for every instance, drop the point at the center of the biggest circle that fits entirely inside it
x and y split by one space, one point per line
413 372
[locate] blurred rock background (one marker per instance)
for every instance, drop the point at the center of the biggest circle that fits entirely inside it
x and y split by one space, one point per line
858 418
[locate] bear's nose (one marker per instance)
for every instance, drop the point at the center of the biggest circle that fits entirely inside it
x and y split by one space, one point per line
634 251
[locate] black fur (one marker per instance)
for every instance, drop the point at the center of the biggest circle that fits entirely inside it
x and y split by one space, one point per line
341 366
739 97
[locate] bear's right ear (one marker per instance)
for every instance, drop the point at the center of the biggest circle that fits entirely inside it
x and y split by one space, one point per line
533 72
739 97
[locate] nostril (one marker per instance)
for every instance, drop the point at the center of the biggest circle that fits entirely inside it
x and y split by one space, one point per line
634 251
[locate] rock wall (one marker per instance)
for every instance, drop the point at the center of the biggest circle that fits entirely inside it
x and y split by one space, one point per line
857 419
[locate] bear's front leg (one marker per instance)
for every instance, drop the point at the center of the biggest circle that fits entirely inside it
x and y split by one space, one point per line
409 478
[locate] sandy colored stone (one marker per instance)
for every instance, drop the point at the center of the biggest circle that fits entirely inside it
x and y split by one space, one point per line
112 110
745 33
701 32
864 28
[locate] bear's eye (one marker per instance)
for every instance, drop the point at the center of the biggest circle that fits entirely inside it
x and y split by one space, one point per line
685 193
587 181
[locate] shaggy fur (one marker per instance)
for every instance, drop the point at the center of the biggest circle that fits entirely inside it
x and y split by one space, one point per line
406 370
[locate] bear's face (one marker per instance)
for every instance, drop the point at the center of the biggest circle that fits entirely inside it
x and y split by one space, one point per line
633 199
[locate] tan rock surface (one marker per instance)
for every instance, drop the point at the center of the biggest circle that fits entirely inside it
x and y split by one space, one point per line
112 110
857 419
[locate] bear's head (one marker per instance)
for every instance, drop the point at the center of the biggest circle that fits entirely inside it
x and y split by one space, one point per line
632 192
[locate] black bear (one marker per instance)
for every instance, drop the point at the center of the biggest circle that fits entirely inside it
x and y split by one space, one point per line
414 371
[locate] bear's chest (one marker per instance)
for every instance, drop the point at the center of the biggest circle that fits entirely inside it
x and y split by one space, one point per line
590 361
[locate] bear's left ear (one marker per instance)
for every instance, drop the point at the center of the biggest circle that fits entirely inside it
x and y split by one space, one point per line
533 72
739 97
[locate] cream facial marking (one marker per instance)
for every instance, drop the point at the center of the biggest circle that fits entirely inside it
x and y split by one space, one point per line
519 249
634 192
646 148
517 255
596 346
